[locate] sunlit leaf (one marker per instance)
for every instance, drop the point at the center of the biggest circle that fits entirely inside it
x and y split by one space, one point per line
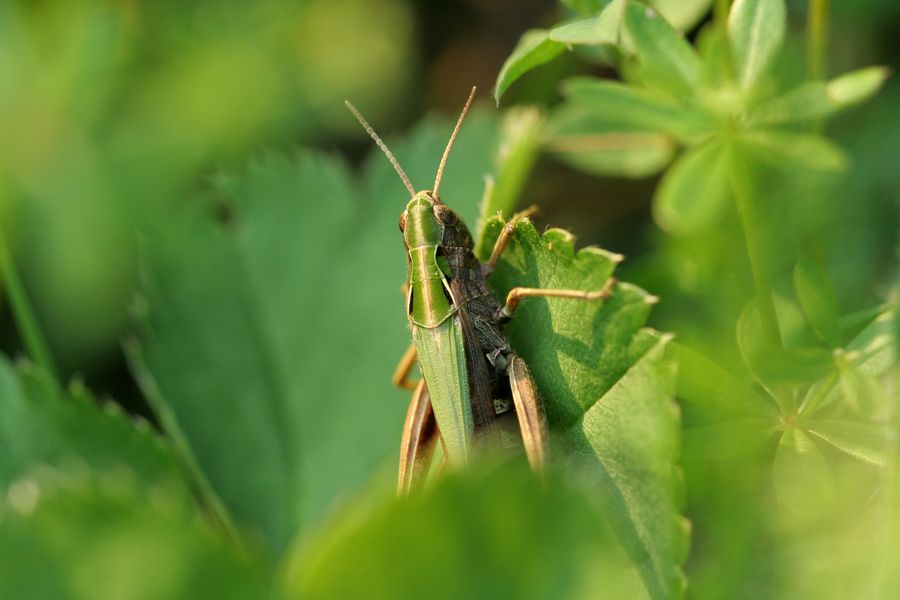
607 389
535 48
694 191
756 29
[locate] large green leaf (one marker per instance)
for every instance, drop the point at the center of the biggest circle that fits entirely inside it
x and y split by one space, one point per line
494 533
88 536
607 390
274 318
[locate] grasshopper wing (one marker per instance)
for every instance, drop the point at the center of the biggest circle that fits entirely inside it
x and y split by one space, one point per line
442 360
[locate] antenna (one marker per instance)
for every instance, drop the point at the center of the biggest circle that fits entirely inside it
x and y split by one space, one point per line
440 171
383 146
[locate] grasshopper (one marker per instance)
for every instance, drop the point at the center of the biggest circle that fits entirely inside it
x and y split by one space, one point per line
469 370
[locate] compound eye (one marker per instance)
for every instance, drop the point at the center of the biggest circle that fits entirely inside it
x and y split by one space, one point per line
403 221
444 214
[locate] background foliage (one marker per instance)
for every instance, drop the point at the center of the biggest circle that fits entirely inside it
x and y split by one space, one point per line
201 302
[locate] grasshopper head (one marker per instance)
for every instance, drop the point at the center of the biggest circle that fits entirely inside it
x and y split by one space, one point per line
422 223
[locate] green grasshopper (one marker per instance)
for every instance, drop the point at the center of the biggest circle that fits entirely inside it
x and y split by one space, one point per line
469 370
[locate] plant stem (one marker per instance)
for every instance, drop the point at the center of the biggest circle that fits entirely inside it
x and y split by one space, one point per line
743 197
720 17
26 321
741 190
817 37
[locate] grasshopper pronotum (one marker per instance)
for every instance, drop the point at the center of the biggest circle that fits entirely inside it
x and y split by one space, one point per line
468 366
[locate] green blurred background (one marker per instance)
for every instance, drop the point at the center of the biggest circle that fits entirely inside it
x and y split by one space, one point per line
114 115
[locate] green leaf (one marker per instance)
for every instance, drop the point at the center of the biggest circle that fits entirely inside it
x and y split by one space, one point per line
804 485
865 441
715 394
628 108
756 29
775 365
84 536
596 30
262 302
667 60
818 99
694 191
40 425
857 86
534 49
818 301
607 389
586 142
788 150
491 533
682 14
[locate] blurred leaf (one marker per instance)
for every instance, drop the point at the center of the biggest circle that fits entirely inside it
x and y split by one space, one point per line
775 365
491 533
876 352
803 481
796 366
819 303
84 536
796 150
534 49
606 388
857 86
714 393
682 14
634 109
694 191
40 425
756 29
262 303
667 61
520 137
864 441
596 30
818 99
585 141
